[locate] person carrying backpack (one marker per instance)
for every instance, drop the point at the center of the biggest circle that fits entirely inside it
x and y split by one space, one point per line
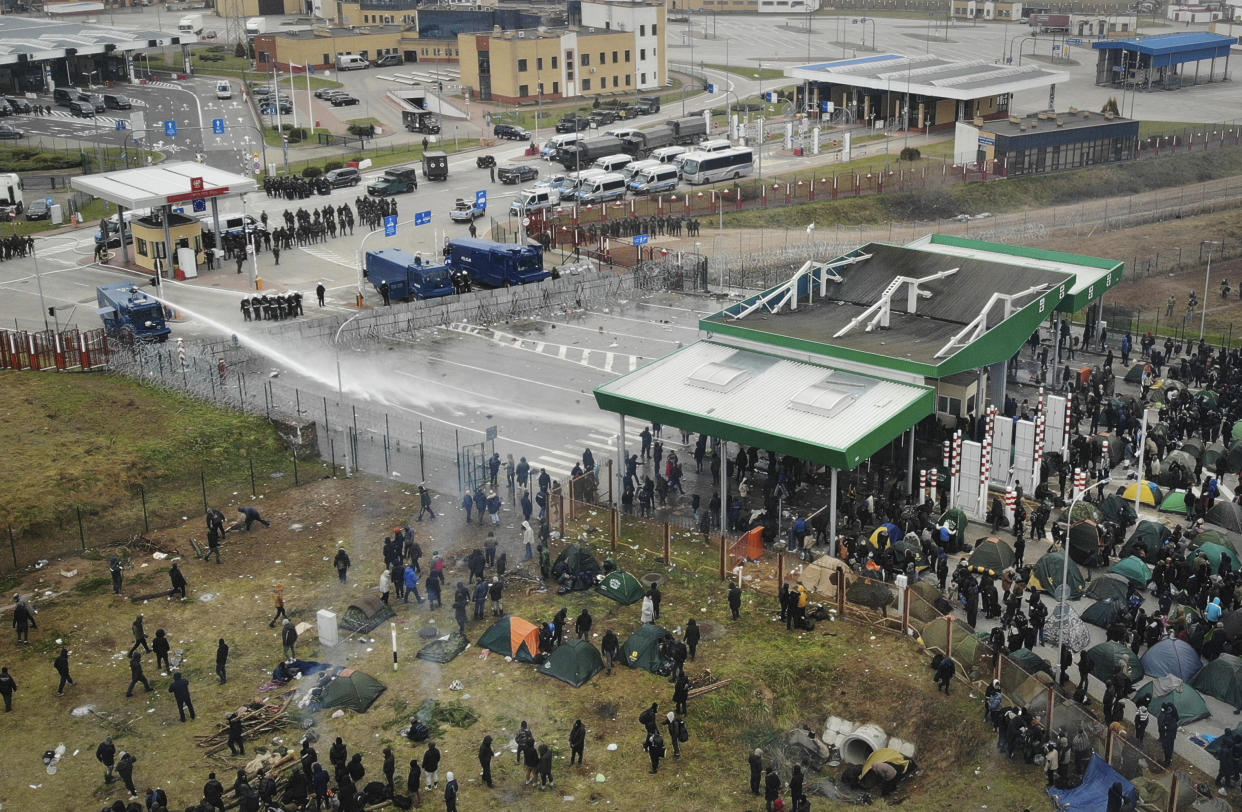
654 745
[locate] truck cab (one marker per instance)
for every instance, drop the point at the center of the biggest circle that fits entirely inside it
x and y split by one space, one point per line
123 307
407 275
435 165
496 264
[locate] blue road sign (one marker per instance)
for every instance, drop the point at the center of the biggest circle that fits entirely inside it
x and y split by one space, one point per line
49 201
422 218
217 126
770 96
1073 41
121 123
825 107
711 87
200 205
480 198
170 129
390 225
641 239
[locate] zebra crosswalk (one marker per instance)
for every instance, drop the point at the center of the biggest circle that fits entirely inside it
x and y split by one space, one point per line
105 122
327 255
560 463
602 360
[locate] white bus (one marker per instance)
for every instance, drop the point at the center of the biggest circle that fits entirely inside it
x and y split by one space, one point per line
709 167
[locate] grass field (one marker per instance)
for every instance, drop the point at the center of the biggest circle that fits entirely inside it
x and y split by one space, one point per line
749 71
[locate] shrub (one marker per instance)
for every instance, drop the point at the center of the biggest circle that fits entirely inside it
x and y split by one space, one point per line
362 130
239 50
312 172
296 135
910 154
330 165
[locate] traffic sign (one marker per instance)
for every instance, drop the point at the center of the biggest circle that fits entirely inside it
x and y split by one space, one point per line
200 205
217 126
825 107
49 201
422 218
642 239
491 433
121 124
390 225
480 199
1073 41
711 87
170 129
770 96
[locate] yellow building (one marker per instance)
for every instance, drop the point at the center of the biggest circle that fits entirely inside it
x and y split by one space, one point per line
258 8
321 46
149 245
519 66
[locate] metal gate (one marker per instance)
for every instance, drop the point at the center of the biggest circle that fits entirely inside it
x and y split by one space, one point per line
472 466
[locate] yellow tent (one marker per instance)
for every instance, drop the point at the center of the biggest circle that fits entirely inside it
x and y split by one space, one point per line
879 538
1150 493
885 755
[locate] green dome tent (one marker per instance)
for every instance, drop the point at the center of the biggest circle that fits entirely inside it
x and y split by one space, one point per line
1030 662
1107 658
621 587
1134 568
576 567
575 662
1108 586
1214 454
1222 537
1233 457
513 637
1149 536
1215 552
1104 613
1135 373
1208 398
351 689
1156 693
1116 448
1182 458
992 553
1193 447
1221 678
1046 576
1118 510
1175 502
1225 514
443 649
1236 433
872 594
642 650
1084 541
1085 511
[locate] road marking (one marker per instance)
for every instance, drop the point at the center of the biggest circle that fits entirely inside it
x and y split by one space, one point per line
586 359
596 331
608 357
564 349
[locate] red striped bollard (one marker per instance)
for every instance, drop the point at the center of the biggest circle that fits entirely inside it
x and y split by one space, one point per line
34 355
934 483
85 353
922 483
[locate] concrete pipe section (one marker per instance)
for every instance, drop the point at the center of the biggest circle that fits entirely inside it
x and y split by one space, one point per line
857 747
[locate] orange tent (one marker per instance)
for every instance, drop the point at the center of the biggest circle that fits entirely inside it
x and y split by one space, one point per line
513 637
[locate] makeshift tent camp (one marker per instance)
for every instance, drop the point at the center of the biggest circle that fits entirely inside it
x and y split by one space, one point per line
1104 613
967 650
364 614
1134 568
1171 656
820 575
1108 586
1221 678
621 587
926 602
1107 658
1193 447
1046 576
955 520
575 568
1186 460
1135 373
869 593
1030 662
992 553
513 637
1085 511
1118 510
904 766
1222 537
574 661
642 650
1213 455
1084 542
1175 502
1225 514
1067 626
1156 693
1215 552
1151 494
443 649
351 689
1149 536
1092 793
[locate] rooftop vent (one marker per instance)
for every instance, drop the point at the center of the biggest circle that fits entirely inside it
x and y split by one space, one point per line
718 377
827 398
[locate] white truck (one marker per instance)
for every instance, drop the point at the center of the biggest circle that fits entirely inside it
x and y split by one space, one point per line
256 25
191 24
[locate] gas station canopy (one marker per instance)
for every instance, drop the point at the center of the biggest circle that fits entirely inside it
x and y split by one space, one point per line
166 184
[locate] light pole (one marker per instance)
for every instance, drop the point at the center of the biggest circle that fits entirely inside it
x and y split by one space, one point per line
1063 587
864 21
1211 244
336 345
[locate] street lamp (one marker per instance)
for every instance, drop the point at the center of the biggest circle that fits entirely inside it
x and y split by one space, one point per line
336 345
864 21
1063 587
1211 244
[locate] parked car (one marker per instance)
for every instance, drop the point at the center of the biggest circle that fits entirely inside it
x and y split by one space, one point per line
345 176
389 60
516 174
484 161
115 101
342 101
572 124
258 91
511 131
325 92
465 212
38 210
5 110
18 105
8 133
81 109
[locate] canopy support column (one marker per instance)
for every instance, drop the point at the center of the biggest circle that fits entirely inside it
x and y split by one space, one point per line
832 512
722 449
910 463
996 385
621 458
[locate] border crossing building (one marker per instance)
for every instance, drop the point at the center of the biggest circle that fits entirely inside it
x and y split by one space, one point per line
1164 61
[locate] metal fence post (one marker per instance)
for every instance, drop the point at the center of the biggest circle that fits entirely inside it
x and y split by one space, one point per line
723 565
325 416
295 467
146 524
422 462
355 408
332 451
81 531
780 570
202 478
253 490
13 546
614 523
668 544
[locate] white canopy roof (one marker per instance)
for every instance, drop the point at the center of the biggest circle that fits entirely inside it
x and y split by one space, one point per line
162 184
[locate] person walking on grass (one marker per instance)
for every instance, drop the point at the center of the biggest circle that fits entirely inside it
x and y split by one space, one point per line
180 689
61 663
577 742
278 599
136 675
341 564
485 759
654 745
222 661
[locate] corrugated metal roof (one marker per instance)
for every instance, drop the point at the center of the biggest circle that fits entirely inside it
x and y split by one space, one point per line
1168 43
930 75
846 409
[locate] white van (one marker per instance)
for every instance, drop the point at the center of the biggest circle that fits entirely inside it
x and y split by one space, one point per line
231 223
534 199
574 181
714 145
224 90
666 155
633 167
623 132
654 179
350 62
612 163
255 26
548 152
609 186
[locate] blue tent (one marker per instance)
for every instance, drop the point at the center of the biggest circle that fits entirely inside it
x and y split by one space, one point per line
895 533
1171 656
1092 793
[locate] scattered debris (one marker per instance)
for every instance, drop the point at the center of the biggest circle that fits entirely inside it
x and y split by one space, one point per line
258 719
